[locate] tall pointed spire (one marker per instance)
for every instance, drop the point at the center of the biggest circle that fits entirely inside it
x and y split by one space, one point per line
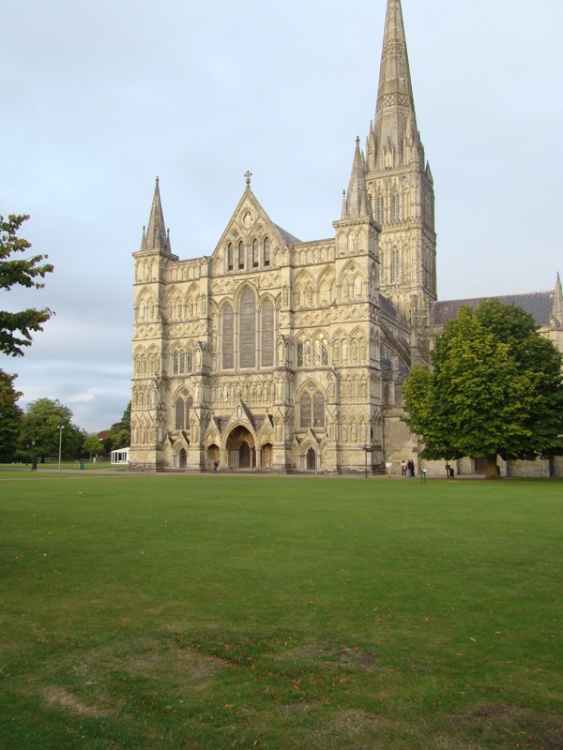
399 183
155 238
395 117
357 204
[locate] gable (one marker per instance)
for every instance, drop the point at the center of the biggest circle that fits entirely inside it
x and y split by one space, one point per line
251 241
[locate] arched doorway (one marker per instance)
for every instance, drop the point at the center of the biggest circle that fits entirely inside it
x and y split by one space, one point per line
311 459
213 454
241 449
267 455
182 459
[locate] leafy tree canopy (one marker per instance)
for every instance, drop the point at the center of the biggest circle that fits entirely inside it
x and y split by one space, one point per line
16 327
40 429
93 445
10 414
495 389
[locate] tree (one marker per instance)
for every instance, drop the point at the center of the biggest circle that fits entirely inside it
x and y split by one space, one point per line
126 418
10 414
40 429
495 389
16 327
119 435
93 445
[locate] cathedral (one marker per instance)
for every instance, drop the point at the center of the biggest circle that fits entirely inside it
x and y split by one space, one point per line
273 354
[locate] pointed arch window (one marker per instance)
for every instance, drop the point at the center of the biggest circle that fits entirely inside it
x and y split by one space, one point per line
317 356
190 360
324 352
305 409
247 336
182 411
266 251
395 269
176 363
299 354
230 260
179 424
255 254
227 332
312 410
267 334
241 254
380 209
318 410
396 207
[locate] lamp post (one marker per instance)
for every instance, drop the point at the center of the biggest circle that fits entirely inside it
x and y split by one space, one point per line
60 428
368 449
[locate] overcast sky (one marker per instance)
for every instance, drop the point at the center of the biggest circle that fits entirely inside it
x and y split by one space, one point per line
98 98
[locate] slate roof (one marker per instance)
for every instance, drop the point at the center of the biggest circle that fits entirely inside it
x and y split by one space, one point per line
539 304
289 238
386 307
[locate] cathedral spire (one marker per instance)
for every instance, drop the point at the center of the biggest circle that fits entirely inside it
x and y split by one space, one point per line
357 205
395 118
155 239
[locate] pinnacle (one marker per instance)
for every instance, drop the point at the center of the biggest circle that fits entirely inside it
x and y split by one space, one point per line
155 237
356 202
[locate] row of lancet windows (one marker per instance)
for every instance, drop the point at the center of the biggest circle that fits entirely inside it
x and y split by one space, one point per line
312 410
259 254
390 266
254 328
312 353
182 361
396 208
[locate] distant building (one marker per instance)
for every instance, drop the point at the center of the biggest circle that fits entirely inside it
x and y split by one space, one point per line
277 354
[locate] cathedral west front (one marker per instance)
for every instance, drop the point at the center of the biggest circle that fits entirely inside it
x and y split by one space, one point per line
275 354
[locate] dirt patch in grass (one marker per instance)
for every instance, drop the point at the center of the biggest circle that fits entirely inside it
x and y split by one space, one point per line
333 656
182 664
151 658
505 726
58 698
357 728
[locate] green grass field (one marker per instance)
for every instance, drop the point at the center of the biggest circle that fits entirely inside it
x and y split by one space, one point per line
192 612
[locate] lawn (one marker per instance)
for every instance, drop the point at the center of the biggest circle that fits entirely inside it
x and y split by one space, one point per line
202 612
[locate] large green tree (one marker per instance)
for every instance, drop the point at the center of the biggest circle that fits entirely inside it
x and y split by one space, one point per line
10 414
93 445
16 327
40 430
495 388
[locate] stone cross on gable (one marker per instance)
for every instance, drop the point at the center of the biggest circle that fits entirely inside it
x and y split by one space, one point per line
248 175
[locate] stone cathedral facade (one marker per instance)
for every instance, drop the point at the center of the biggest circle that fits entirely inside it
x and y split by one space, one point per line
277 354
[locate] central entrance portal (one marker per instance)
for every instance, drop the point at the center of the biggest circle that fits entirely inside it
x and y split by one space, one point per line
241 448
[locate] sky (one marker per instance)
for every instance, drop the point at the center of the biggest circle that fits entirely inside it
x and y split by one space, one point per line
98 98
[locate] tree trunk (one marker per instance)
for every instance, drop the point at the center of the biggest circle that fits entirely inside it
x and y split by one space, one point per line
492 469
